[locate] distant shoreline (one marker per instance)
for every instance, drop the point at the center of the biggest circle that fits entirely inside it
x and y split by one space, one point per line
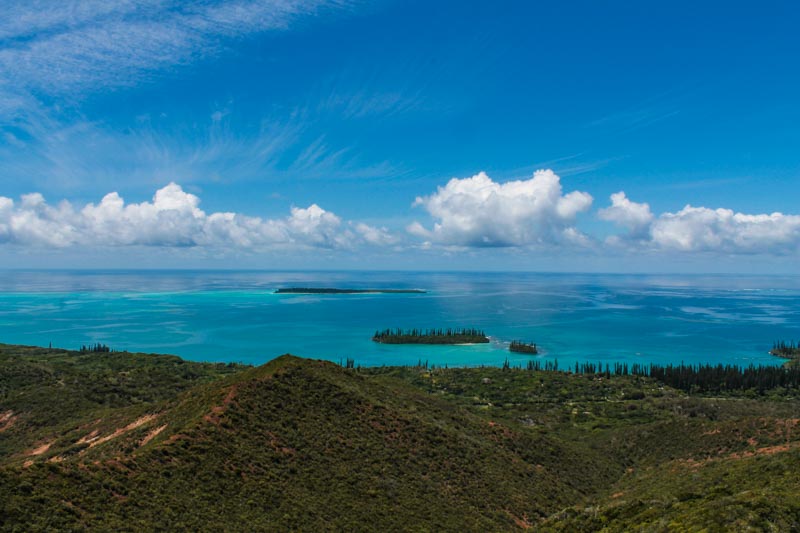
325 290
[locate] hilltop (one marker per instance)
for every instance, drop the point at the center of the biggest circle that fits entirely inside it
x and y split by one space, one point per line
135 441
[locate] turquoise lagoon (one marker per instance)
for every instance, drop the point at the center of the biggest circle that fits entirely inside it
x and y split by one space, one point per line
235 316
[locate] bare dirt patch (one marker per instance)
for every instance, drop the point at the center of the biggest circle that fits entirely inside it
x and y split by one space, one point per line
121 431
87 439
152 434
7 420
39 450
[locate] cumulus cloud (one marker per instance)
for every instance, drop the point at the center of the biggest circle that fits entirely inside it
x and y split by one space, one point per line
376 236
700 229
703 229
634 216
480 212
173 219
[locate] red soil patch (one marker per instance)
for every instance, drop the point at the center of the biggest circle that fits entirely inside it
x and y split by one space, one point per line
276 445
117 465
500 430
694 464
521 522
766 450
217 411
176 437
230 396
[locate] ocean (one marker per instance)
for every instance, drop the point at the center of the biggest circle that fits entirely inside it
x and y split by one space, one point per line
235 315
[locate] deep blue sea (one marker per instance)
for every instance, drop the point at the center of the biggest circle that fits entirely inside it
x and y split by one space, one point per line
235 316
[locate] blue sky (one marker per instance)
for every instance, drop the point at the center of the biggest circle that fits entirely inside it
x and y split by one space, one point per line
314 134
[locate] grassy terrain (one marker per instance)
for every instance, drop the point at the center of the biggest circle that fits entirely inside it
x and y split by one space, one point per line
132 441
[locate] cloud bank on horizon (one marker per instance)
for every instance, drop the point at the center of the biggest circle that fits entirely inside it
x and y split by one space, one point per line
701 229
467 213
173 219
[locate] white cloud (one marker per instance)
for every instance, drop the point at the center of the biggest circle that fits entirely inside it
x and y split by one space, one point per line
478 211
375 236
316 226
700 229
703 229
634 216
173 219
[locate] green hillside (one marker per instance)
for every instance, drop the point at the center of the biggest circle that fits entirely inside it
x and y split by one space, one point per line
140 442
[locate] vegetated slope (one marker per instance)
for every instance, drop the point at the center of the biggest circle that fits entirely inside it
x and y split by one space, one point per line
47 394
306 445
688 463
299 444
756 490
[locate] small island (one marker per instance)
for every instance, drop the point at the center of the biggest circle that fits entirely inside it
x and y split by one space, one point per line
431 336
326 290
788 350
523 347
